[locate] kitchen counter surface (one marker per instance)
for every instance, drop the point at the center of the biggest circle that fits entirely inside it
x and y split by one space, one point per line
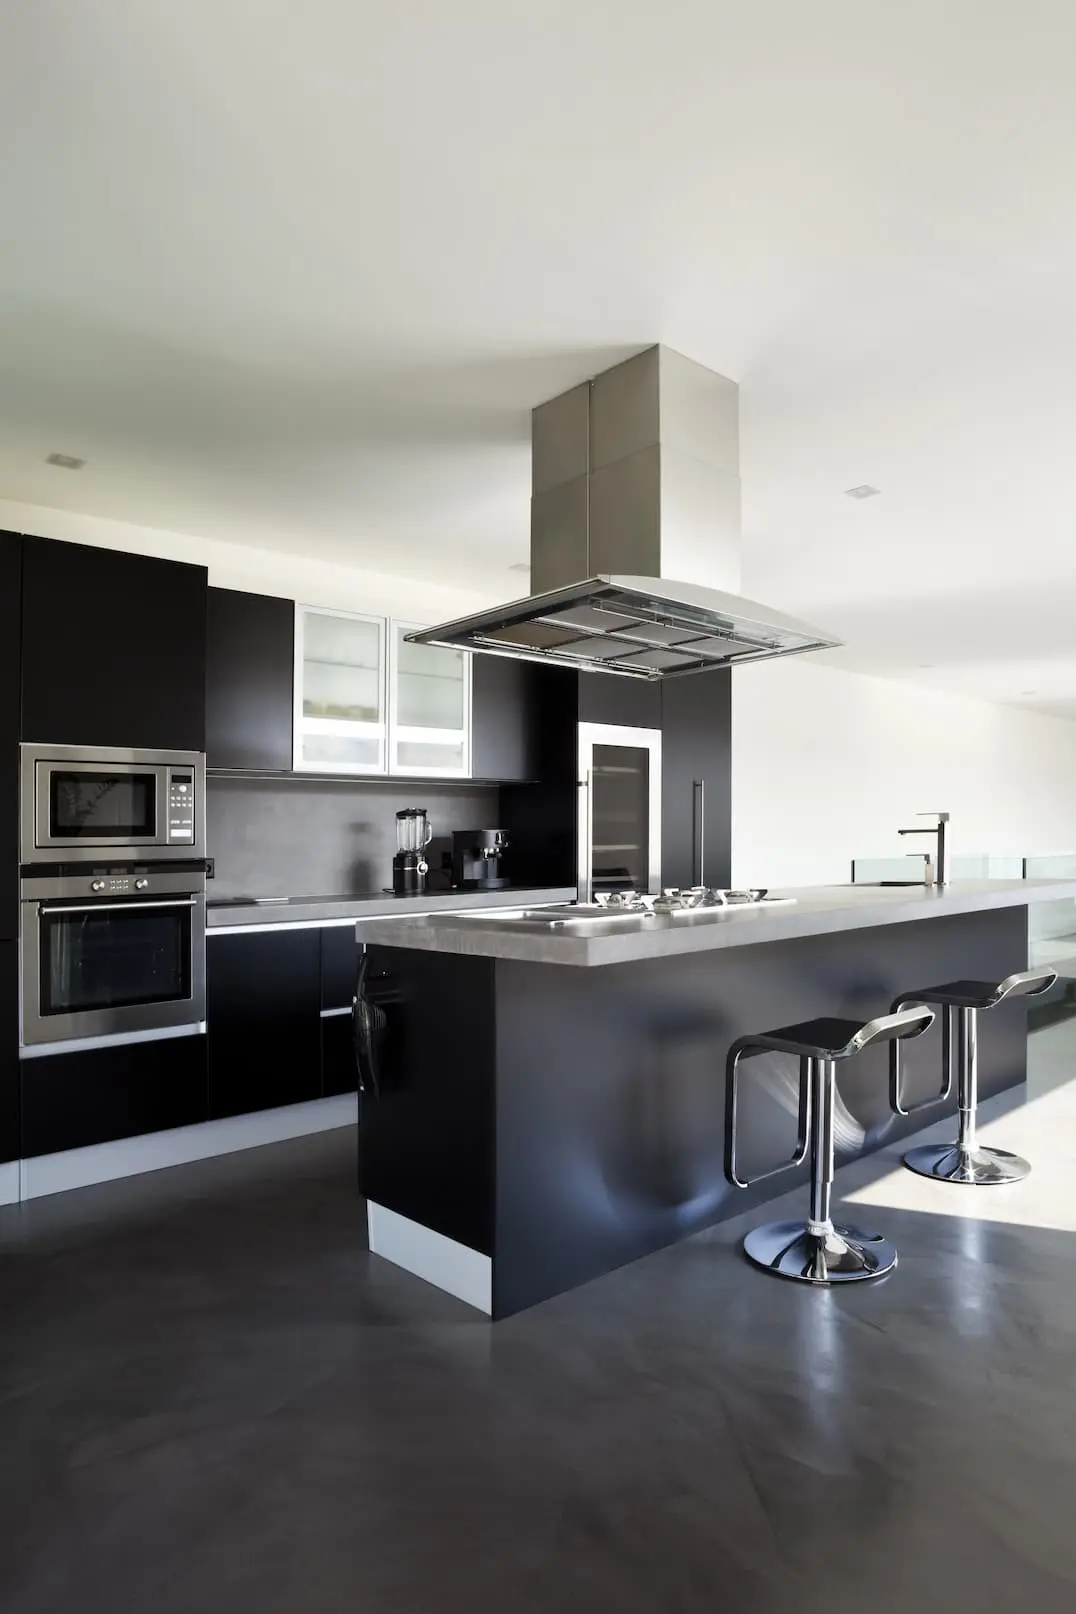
243 913
817 911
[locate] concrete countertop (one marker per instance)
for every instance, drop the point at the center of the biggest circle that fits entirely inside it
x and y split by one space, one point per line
239 913
817 911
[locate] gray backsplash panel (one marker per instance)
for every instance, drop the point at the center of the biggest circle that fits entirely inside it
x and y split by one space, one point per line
313 837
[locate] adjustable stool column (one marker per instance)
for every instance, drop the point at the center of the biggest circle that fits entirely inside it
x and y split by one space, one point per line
815 1250
964 1161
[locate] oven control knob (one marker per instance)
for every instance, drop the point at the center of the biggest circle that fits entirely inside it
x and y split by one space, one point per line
97 885
141 885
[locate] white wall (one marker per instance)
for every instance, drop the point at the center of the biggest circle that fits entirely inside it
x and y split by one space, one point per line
827 765
259 571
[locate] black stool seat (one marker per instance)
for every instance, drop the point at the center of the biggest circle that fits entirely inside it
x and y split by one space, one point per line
827 1037
984 994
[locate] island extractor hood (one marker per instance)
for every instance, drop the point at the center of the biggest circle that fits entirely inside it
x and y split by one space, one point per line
635 482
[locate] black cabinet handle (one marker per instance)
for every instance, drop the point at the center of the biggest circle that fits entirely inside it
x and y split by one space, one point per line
698 832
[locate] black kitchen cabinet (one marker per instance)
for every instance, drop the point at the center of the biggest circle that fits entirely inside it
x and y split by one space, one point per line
629 702
100 1094
9 1050
10 636
340 954
113 648
250 674
505 718
264 1010
696 790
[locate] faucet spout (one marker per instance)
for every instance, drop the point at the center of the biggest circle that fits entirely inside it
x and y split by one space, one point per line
939 829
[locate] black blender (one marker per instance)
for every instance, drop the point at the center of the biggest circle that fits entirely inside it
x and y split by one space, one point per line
409 866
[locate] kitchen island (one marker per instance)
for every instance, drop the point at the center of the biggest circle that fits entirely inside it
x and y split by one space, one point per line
549 1098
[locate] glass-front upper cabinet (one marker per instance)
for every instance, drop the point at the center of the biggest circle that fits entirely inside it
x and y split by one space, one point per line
429 707
341 695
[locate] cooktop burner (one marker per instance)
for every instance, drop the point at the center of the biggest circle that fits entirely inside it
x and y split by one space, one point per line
704 901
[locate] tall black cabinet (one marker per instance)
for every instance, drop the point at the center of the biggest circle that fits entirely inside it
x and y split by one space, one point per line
694 715
113 650
696 779
10 639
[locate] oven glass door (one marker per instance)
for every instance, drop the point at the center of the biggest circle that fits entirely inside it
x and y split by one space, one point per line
103 957
101 805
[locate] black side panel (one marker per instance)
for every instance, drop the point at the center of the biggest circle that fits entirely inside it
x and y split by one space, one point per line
264 1020
9 1050
696 744
10 631
610 1084
605 698
426 1144
540 818
113 648
250 671
71 1100
505 699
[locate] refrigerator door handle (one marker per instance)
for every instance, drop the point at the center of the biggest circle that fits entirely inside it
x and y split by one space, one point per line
698 832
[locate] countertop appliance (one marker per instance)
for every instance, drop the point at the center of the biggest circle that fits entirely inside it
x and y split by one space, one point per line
409 867
111 955
90 804
476 859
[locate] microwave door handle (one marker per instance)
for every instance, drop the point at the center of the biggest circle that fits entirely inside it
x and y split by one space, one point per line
113 907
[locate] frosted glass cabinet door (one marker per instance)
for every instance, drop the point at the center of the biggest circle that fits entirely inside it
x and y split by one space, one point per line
430 707
340 692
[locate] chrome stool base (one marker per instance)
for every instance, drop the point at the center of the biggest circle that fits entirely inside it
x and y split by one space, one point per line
843 1255
974 1168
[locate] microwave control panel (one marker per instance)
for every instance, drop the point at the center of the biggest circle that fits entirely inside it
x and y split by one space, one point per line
180 805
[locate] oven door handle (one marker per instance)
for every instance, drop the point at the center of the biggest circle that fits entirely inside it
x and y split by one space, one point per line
113 907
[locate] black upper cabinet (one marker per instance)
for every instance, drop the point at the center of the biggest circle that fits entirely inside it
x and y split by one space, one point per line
250 672
696 724
264 1012
10 628
113 648
505 718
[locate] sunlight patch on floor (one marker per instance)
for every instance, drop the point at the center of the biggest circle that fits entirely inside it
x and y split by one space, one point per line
1043 1131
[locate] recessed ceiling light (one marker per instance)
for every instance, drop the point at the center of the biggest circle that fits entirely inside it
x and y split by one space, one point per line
520 566
66 462
864 491
1029 692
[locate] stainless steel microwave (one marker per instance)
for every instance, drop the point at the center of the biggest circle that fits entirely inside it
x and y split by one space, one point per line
86 804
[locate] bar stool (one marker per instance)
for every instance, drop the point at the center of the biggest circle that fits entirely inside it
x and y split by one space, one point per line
815 1250
965 1161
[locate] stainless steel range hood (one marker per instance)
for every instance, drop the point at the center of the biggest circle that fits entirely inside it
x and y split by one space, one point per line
636 483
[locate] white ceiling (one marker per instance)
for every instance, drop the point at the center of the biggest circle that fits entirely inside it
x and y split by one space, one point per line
293 275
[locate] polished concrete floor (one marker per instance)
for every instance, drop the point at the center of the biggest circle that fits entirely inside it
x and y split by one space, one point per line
212 1399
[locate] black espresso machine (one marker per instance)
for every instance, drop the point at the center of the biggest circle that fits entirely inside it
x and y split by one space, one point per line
476 857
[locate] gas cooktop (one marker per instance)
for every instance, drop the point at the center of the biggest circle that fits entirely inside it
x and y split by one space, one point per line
699 901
